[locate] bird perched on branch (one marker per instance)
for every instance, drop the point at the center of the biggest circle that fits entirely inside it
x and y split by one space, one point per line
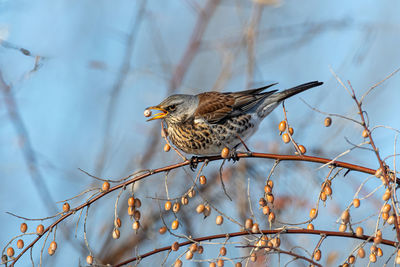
204 124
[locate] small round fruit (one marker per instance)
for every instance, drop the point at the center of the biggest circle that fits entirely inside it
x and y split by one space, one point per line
138 203
302 149
66 207
238 264
390 220
313 213
191 193
184 200
136 215
342 227
175 246
282 126
136 225
116 233
317 255
147 113
276 242
345 216
310 226
285 138
212 264
20 243
193 247
220 262
23 227
291 131
131 201
327 190
267 189
356 203
379 252
117 222
131 211
207 211
351 259
222 251
225 153
359 231
178 263
386 196
365 134
248 224
10 252
189 255
270 183
270 198
271 217
162 230
176 207
167 148
89 259
203 180
200 250
262 202
105 186
50 251
253 257
53 245
386 208
168 205
378 239
40 229
255 229
175 225
361 253
323 196
327 121
219 220
200 208
372 257
266 210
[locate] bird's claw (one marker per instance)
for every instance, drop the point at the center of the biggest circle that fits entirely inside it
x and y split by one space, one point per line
234 155
193 163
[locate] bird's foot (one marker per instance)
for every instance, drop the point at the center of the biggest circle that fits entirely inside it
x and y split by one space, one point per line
193 163
234 155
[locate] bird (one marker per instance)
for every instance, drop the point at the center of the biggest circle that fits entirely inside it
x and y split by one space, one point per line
206 123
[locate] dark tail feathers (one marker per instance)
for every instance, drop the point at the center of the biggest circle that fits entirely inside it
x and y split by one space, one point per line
298 89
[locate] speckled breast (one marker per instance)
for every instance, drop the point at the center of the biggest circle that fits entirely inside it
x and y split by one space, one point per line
202 138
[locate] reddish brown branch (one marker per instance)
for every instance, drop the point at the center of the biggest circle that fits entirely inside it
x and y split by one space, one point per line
198 160
265 232
382 164
294 255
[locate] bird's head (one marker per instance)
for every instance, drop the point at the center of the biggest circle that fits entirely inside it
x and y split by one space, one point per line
176 108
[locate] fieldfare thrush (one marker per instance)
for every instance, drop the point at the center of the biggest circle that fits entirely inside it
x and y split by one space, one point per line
204 124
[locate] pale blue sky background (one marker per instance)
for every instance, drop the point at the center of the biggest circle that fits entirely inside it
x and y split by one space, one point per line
64 103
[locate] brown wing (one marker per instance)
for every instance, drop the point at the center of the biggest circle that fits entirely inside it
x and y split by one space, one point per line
215 106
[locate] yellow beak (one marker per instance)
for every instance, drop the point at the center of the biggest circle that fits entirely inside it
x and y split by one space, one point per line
158 115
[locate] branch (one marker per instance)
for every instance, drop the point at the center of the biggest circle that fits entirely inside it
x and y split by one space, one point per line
197 160
265 232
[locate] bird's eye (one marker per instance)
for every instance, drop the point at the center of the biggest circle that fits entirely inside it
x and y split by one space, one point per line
172 107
